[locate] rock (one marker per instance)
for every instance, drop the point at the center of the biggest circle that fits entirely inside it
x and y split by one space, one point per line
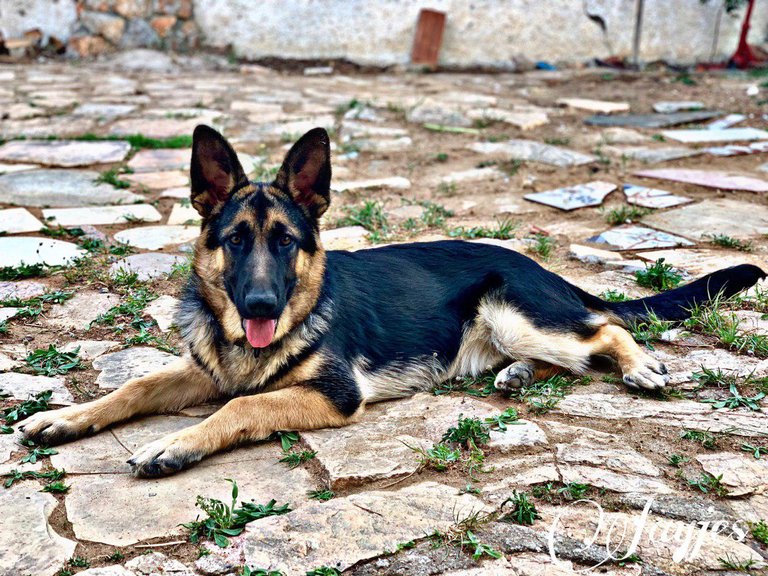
650 155
409 211
379 520
382 444
139 34
8 168
346 238
18 220
707 178
601 106
184 214
700 262
722 135
90 349
157 237
23 386
433 112
100 110
530 150
148 265
679 507
82 309
395 182
28 250
668 107
162 24
6 362
523 120
118 367
102 215
741 474
158 160
385 145
107 25
28 544
752 509
41 188
86 46
680 414
163 311
631 237
473 175
142 60
159 180
215 565
651 120
652 197
64 153
107 571
21 290
353 130
709 217
590 255
155 563
573 197
520 470
178 192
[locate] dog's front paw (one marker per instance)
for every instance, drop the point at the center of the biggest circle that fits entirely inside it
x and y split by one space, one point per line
58 426
650 374
165 456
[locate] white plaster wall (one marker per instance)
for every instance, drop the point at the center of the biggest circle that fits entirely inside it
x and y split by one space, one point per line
52 17
478 32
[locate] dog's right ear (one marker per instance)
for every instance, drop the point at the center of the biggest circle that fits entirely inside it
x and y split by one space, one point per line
214 170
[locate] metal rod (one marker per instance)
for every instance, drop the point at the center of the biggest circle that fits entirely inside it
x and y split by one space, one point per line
638 32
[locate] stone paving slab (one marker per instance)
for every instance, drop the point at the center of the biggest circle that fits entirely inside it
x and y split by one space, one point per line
26 250
159 160
530 150
638 237
99 215
601 106
157 237
8 168
651 120
159 180
119 367
718 216
649 155
42 188
25 386
21 290
82 309
147 265
64 153
184 214
17 221
710 135
700 262
741 474
28 545
163 311
707 178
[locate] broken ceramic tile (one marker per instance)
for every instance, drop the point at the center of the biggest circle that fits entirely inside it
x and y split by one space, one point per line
638 237
573 197
726 122
601 106
651 120
669 107
724 135
707 178
652 197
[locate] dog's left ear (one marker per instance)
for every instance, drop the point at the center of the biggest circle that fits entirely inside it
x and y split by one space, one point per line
306 172
214 170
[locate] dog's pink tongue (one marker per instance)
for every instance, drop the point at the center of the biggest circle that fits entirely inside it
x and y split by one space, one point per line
260 332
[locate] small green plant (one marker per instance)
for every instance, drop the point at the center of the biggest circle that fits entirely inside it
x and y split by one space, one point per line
659 276
624 214
685 79
224 521
139 141
706 438
468 385
116 556
111 177
22 271
125 277
708 483
614 296
440 457
295 459
504 230
247 571
731 563
544 395
441 157
574 490
759 531
543 246
323 571
557 141
523 511
52 362
79 562
677 460
735 400
649 330
479 549
370 216
725 241
35 453
434 215
56 488
500 421
756 451
468 430
287 439
321 495
18 475
38 403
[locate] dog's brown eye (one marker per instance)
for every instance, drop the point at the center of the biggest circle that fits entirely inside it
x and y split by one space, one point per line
286 240
235 239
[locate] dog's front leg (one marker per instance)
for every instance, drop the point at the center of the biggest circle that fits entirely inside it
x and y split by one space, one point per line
241 419
177 385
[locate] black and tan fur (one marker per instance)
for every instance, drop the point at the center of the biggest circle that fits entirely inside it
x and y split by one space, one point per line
351 328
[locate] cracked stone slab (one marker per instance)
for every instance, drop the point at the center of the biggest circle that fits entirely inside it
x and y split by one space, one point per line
530 150
17 221
102 215
120 510
108 571
161 159
682 367
679 414
66 188
377 447
147 265
21 289
519 470
653 197
707 178
489 173
318 534
24 386
163 311
119 367
28 250
700 262
651 155
64 153
157 237
83 308
90 349
28 545
726 122
717 216
721 135
573 197
638 237
651 120
741 474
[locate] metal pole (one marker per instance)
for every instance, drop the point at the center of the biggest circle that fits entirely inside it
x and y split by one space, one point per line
638 31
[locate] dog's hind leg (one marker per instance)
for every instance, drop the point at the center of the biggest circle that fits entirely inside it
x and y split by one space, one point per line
175 386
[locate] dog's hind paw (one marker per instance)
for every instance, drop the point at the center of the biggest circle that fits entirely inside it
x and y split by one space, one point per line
163 457
651 375
514 376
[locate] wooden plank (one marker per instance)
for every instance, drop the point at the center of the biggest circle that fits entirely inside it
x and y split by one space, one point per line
429 38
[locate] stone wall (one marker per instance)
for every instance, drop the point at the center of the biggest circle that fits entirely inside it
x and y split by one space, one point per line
492 33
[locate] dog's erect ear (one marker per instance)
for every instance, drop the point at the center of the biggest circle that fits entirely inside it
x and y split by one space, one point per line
214 170
306 172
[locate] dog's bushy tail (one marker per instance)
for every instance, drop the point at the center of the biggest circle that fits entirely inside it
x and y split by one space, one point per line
677 304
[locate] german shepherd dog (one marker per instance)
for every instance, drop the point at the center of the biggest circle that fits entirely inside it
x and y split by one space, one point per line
301 338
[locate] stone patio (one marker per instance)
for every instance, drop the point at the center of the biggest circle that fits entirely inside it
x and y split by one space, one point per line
516 150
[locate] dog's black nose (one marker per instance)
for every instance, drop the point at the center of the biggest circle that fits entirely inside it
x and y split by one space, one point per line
261 304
